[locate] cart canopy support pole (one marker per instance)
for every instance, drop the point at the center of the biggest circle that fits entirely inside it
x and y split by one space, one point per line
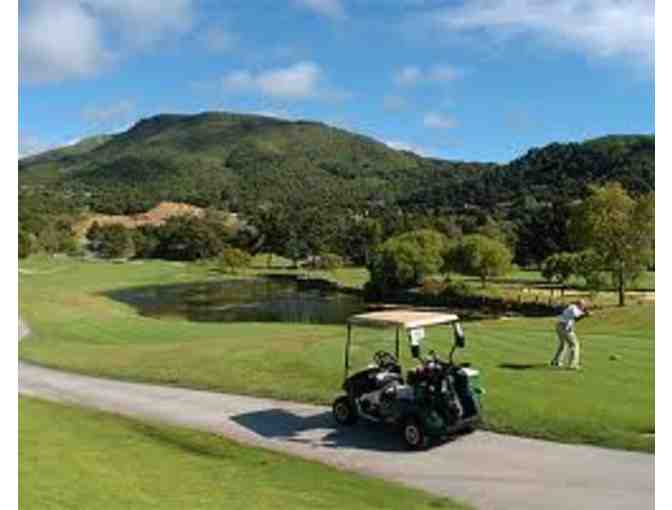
347 351
397 344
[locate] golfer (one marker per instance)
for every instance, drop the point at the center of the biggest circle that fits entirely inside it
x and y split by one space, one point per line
567 340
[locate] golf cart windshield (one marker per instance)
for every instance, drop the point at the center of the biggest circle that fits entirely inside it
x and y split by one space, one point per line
410 322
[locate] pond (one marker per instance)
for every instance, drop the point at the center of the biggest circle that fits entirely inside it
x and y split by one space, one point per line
243 300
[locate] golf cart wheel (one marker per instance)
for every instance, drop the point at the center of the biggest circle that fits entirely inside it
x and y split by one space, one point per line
413 434
344 412
467 429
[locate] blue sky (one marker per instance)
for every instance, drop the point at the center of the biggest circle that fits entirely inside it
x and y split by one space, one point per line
477 80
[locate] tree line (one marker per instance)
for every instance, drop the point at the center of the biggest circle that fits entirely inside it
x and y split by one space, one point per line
610 232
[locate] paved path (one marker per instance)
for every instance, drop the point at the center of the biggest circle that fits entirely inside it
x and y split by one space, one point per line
490 471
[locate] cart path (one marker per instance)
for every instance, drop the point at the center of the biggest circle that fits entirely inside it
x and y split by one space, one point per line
490 471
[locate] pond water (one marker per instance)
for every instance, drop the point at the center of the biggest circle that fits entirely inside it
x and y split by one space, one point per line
258 300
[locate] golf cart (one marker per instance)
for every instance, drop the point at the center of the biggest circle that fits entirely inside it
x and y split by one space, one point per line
437 399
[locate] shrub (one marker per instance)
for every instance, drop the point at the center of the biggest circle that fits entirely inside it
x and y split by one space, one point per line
456 290
328 262
114 241
231 260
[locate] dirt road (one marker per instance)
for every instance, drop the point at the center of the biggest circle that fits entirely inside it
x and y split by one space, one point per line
490 471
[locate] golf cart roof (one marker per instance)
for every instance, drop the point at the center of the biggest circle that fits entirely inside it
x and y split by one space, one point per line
408 319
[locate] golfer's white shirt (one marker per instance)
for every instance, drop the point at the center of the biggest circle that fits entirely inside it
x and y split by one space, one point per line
569 316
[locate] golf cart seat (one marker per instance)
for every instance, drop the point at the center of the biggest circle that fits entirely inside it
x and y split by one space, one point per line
373 378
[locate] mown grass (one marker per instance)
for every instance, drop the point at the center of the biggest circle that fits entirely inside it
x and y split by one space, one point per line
75 327
81 459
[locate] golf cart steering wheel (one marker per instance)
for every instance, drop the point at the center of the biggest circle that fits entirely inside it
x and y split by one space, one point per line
384 359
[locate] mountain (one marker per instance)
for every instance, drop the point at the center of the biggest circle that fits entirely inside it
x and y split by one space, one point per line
240 161
212 157
556 172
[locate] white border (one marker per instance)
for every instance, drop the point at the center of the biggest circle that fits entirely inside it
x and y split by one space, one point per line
9 308
663 271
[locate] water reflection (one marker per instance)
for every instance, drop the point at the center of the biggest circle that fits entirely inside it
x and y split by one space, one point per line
259 300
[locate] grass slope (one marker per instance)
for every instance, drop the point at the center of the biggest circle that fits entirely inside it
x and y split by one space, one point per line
75 327
79 459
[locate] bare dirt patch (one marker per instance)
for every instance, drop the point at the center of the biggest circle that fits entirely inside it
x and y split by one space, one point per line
156 216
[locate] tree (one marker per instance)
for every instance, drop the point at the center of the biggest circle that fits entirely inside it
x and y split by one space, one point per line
188 238
619 229
477 255
589 267
502 231
559 268
542 231
361 237
403 261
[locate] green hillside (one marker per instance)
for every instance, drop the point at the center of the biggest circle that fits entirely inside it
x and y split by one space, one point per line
238 161
213 157
309 184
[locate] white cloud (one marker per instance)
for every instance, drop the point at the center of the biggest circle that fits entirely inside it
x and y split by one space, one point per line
297 81
74 39
329 8
303 80
106 115
413 75
59 40
409 75
145 22
219 40
238 81
602 28
435 120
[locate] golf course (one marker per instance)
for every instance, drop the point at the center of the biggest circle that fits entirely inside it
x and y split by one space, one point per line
78 325
120 463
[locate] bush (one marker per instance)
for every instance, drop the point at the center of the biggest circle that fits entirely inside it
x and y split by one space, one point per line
113 241
328 262
146 241
456 290
232 260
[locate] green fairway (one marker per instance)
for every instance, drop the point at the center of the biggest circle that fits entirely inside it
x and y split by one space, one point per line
76 327
79 459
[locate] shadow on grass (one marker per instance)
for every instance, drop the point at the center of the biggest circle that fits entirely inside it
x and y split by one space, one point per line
523 366
320 430
187 441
